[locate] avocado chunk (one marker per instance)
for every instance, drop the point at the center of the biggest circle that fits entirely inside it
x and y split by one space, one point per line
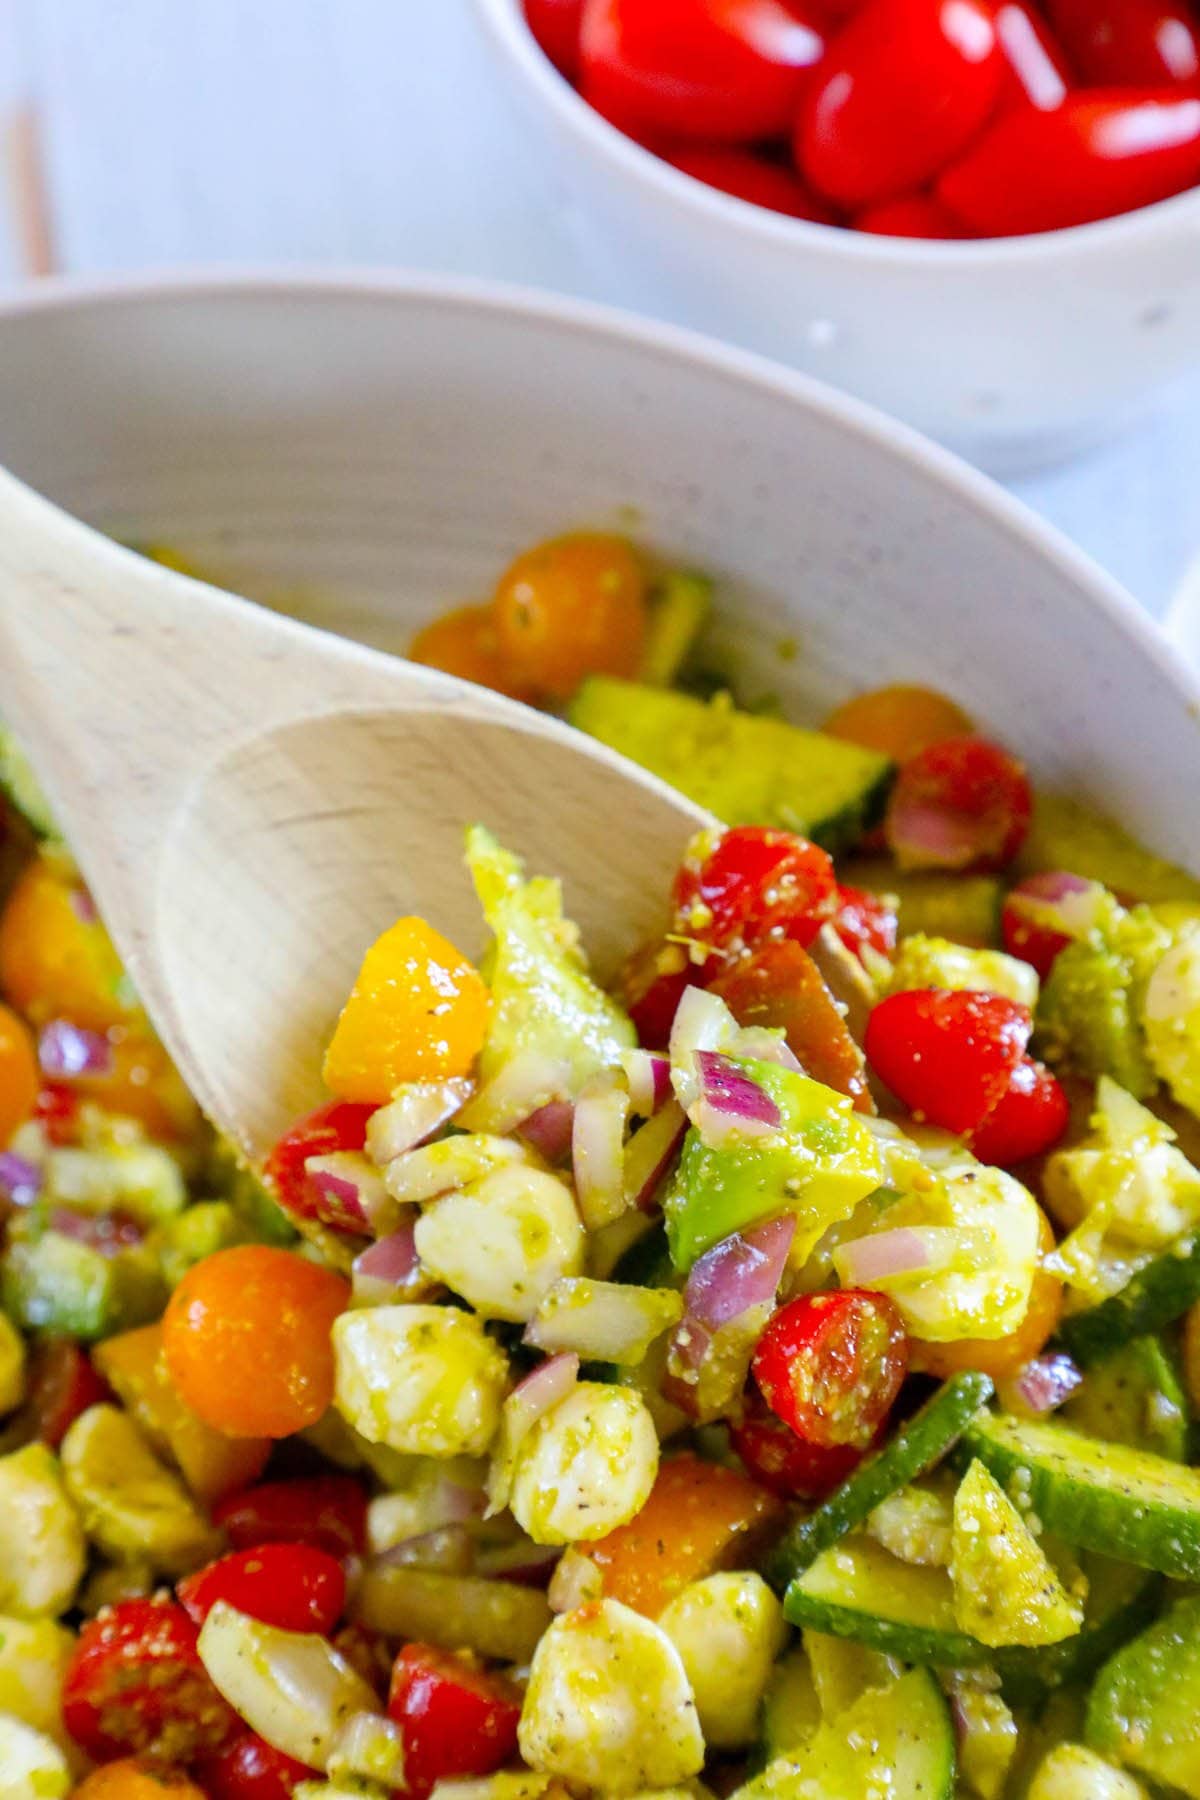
1089 1015
50 1281
1006 1591
545 1005
925 961
964 908
1066 835
744 768
818 1165
1146 1699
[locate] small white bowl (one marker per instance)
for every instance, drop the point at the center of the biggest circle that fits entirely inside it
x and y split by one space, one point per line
368 450
1014 351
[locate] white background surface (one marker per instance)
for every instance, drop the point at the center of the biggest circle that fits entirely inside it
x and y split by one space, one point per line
373 132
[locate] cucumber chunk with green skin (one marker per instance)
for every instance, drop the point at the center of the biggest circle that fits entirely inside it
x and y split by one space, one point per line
916 1447
1097 1496
678 612
1152 1298
817 1165
745 769
964 908
1145 1705
1133 1397
897 1740
859 1590
1066 835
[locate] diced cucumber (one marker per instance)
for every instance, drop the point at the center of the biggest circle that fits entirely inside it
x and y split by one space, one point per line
21 787
745 769
860 1590
1145 1703
42 1549
130 1503
1089 1014
1152 1298
916 1447
1066 835
1071 1772
34 1654
678 612
52 1282
791 1709
843 1670
1099 1496
963 908
893 1741
1133 1397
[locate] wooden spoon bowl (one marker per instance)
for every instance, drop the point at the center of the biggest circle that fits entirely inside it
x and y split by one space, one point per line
252 801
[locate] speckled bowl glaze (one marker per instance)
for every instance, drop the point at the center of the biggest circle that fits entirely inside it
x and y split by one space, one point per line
371 450
1016 352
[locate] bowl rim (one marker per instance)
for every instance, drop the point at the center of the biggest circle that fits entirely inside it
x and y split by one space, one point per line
1121 235
680 345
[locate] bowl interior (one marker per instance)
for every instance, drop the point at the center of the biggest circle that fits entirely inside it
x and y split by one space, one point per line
368 452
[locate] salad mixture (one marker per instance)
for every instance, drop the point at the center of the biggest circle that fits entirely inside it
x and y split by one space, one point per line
903 118
773 1377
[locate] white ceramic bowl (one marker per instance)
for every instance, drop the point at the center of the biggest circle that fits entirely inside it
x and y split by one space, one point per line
1016 351
381 447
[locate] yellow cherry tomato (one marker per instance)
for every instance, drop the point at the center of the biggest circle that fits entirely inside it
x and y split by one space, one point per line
418 1012
130 1779
570 607
466 643
56 958
898 721
19 1076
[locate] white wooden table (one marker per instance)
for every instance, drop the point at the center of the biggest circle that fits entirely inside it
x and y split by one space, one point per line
217 132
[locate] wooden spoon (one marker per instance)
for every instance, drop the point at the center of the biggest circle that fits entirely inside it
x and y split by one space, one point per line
252 801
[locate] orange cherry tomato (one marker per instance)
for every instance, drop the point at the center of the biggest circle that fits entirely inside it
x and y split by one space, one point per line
571 607
897 721
466 643
19 1075
143 1084
130 1779
1001 1357
246 1340
56 958
700 1517
418 1012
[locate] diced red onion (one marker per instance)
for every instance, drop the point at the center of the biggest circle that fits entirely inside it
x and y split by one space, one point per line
650 1153
649 1078
598 1148
20 1180
866 1260
526 1083
541 1390
1057 901
107 1233
761 1045
66 1051
924 836
1041 1386
729 1297
549 1129
730 1105
702 1022
83 906
449 1548
604 1321
742 1271
390 1270
412 1115
350 1193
